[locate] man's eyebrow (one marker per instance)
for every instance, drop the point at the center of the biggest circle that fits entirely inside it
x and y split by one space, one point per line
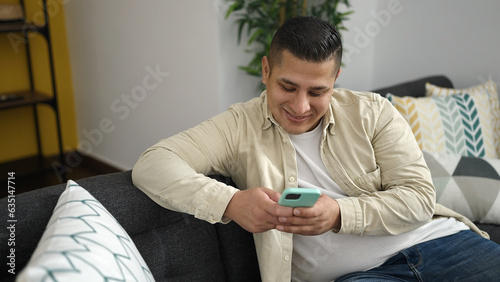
296 85
288 82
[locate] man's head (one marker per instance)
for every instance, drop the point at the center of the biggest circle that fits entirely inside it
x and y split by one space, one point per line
300 73
307 38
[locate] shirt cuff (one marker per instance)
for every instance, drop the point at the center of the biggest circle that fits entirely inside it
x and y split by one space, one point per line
216 204
350 216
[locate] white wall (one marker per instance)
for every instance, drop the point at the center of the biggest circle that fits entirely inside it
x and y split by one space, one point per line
456 38
358 49
396 40
113 43
121 107
235 85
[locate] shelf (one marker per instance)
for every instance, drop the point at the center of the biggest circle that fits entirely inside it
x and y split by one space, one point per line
25 98
28 98
19 27
26 167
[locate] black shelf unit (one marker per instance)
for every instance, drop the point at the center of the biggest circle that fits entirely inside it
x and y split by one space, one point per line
31 97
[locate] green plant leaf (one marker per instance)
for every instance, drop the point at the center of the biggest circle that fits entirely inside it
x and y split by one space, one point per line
261 18
250 71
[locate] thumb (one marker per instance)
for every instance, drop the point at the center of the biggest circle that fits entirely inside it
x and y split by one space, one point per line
273 195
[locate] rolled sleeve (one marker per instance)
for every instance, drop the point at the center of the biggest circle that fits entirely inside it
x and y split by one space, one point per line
173 171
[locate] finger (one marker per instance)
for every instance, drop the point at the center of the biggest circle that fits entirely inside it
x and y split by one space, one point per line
277 210
307 212
300 221
261 222
300 229
273 195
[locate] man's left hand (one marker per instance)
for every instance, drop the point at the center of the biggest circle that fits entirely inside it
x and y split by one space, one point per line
318 219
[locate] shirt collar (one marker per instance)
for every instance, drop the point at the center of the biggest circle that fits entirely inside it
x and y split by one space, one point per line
329 120
269 119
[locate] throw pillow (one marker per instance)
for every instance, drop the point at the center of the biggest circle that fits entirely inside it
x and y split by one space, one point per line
467 185
84 242
456 124
489 88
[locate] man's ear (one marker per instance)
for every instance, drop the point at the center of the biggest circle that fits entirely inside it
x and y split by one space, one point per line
265 70
338 73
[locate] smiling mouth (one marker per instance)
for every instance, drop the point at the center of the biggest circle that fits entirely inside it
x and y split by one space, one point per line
295 118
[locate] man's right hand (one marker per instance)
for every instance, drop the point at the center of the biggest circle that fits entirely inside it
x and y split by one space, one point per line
256 209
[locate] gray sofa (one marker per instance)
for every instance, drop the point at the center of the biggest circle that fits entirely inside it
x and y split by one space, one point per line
175 246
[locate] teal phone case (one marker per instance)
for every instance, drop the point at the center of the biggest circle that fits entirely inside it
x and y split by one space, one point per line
299 197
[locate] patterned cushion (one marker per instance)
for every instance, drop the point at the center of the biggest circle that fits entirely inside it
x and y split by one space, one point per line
490 88
456 124
467 185
84 242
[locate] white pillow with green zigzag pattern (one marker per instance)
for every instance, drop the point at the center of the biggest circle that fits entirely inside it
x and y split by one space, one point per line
489 87
459 124
84 242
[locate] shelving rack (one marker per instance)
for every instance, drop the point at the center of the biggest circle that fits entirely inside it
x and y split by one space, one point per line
32 97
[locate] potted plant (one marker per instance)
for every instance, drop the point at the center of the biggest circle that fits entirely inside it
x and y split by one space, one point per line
262 18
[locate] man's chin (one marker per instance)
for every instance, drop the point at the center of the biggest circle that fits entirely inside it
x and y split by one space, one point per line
295 130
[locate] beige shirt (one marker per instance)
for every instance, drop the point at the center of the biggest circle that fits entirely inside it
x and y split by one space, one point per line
367 147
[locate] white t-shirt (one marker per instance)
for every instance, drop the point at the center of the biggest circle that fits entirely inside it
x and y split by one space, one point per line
328 256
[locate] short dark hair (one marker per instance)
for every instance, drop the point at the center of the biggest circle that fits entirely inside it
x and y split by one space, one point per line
307 38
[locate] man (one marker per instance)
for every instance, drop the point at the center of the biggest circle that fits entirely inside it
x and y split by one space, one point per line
376 217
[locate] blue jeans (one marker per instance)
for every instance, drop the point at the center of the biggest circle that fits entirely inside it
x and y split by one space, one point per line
464 256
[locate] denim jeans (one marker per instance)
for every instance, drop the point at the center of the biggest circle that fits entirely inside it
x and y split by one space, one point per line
464 256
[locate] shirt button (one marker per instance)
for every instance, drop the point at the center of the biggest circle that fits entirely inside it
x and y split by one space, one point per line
291 179
287 257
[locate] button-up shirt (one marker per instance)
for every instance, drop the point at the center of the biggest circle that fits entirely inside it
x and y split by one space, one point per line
367 148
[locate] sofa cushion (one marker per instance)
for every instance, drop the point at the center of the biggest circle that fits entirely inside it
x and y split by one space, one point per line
237 250
176 246
467 185
455 124
490 89
83 241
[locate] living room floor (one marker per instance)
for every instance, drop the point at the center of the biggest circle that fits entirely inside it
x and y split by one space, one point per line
35 178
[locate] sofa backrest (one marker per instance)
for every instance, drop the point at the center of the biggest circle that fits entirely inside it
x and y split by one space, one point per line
174 245
415 88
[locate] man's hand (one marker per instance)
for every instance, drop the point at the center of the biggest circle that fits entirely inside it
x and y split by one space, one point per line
257 209
318 219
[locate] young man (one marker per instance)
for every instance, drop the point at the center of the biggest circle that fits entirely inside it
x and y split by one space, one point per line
377 216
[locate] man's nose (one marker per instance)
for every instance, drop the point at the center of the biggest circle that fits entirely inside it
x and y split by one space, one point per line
300 104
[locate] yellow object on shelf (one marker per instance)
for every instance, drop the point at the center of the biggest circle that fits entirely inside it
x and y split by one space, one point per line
11 12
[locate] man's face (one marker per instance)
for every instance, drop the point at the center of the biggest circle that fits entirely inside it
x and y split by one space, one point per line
299 92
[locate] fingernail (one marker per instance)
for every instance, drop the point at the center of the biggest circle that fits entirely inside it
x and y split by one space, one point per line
296 212
282 219
280 227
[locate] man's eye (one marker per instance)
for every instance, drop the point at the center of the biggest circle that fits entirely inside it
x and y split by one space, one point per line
314 94
288 89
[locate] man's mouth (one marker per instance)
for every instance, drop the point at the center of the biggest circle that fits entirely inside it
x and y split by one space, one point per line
294 117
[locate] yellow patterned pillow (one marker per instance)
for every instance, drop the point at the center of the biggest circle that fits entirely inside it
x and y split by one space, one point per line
455 124
490 88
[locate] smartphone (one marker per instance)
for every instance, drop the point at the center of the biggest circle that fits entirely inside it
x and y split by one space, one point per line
299 197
